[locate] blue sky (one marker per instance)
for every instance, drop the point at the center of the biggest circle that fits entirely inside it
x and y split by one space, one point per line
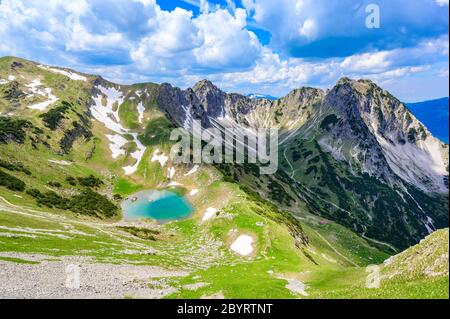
245 46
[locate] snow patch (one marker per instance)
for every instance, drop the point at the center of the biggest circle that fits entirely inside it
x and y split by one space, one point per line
137 155
187 123
141 110
162 159
63 163
193 192
3 81
296 287
243 245
174 184
209 213
193 170
117 144
171 172
35 89
71 75
11 77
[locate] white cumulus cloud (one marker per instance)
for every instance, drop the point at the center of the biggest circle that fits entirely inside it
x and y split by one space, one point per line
137 41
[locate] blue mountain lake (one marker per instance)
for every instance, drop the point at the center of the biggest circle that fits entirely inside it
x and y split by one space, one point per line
162 206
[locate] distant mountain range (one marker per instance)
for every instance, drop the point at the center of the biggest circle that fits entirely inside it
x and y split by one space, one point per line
261 96
434 114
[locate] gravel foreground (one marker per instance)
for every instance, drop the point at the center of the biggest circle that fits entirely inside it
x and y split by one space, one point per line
59 279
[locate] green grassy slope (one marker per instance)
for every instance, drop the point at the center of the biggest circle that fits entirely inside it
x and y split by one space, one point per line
420 272
361 202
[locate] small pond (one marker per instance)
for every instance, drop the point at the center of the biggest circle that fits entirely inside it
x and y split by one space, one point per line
162 206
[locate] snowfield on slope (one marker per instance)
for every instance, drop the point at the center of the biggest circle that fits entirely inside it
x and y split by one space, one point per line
141 109
137 155
117 144
243 245
58 162
161 158
36 89
71 75
105 113
209 213
171 172
109 115
297 287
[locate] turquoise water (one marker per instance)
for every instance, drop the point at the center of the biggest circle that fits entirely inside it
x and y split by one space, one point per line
162 206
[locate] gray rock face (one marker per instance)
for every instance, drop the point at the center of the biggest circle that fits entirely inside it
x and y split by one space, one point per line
210 98
369 128
349 138
378 133
204 102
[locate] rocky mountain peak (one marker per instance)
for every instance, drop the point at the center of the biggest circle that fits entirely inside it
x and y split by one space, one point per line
211 98
344 80
205 86
388 133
